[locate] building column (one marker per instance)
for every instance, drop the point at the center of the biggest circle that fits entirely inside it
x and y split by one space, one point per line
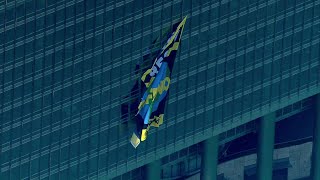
209 159
265 147
315 169
153 170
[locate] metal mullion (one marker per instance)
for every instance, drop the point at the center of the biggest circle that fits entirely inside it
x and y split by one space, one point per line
176 106
129 120
2 82
236 52
81 93
314 18
300 47
90 111
242 111
309 60
155 45
197 28
100 90
184 122
10 142
51 115
273 57
41 92
23 72
72 87
32 76
120 40
60 103
150 50
254 63
206 76
63 43
225 96
140 71
287 94
110 94
178 75
13 92
292 46
187 83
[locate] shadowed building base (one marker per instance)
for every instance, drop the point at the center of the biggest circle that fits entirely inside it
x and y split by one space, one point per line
315 169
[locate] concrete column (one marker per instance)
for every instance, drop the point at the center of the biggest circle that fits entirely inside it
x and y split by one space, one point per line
209 159
265 147
153 170
315 169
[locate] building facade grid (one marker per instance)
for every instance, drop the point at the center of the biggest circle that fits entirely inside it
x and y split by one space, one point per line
66 66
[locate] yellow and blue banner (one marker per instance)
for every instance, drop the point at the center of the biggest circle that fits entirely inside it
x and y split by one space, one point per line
154 86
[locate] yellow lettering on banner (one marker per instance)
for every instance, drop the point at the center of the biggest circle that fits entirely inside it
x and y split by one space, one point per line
145 75
149 99
173 48
141 104
156 121
148 83
181 25
154 92
166 83
163 86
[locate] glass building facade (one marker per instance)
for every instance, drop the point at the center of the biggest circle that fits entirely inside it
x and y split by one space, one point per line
65 67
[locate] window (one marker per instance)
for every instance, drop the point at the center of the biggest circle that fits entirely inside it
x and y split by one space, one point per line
60 15
307 35
93 165
57 97
275 91
298 18
266 94
256 98
18 91
8 76
247 104
218 115
24 171
69 13
228 110
45 141
279 26
49 41
89 5
79 8
50 19
10 14
314 75
285 86
248 79
177 8
59 36
287 42
54 160
304 79
257 75
79 28
166 13
10 36
276 68
109 16
238 83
